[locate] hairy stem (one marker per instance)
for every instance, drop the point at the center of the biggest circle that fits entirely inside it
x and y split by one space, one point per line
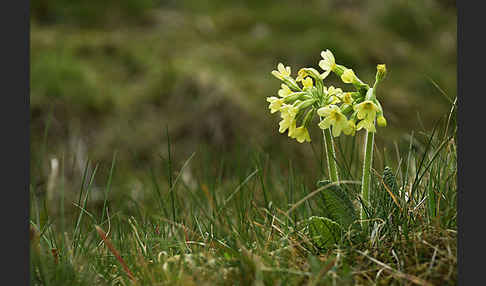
331 155
365 181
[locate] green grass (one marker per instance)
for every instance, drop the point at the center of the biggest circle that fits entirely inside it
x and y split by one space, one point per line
240 220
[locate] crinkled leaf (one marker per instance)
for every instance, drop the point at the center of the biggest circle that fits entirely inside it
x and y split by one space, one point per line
337 205
324 232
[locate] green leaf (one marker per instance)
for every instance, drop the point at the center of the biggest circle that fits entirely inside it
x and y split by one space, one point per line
324 232
337 205
390 180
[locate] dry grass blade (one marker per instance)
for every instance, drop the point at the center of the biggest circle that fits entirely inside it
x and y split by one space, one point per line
395 200
110 246
396 273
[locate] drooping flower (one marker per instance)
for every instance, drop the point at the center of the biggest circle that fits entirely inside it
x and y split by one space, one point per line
366 110
334 94
275 103
334 91
334 100
301 74
348 76
328 63
284 91
347 98
292 129
366 124
288 110
334 117
301 134
304 72
327 110
307 83
350 128
285 124
287 113
281 71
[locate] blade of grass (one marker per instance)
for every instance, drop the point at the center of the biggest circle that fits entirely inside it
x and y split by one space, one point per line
113 250
77 229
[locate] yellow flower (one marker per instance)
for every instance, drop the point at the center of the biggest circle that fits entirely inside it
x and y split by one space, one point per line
307 83
275 103
288 110
301 74
301 134
287 113
334 91
366 110
348 76
327 63
347 98
381 120
327 110
366 124
284 91
334 94
292 129
282 71
285 124
334 117
334 99
350 128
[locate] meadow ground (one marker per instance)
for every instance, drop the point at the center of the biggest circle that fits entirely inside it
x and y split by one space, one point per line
242 221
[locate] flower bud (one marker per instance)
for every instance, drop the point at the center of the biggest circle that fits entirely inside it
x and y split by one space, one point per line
381 121
380 72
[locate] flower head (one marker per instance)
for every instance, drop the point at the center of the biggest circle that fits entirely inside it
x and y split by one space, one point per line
282 71
327 63
366 110
298 103
348 76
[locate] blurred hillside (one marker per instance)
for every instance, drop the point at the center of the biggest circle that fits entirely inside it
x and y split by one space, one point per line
113 75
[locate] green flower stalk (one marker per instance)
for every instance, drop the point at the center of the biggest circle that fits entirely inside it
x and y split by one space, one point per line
330 156
365 180
367 111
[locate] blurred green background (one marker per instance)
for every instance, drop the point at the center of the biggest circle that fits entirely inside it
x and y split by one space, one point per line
112 75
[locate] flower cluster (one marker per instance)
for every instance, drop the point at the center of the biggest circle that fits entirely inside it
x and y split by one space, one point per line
299 100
